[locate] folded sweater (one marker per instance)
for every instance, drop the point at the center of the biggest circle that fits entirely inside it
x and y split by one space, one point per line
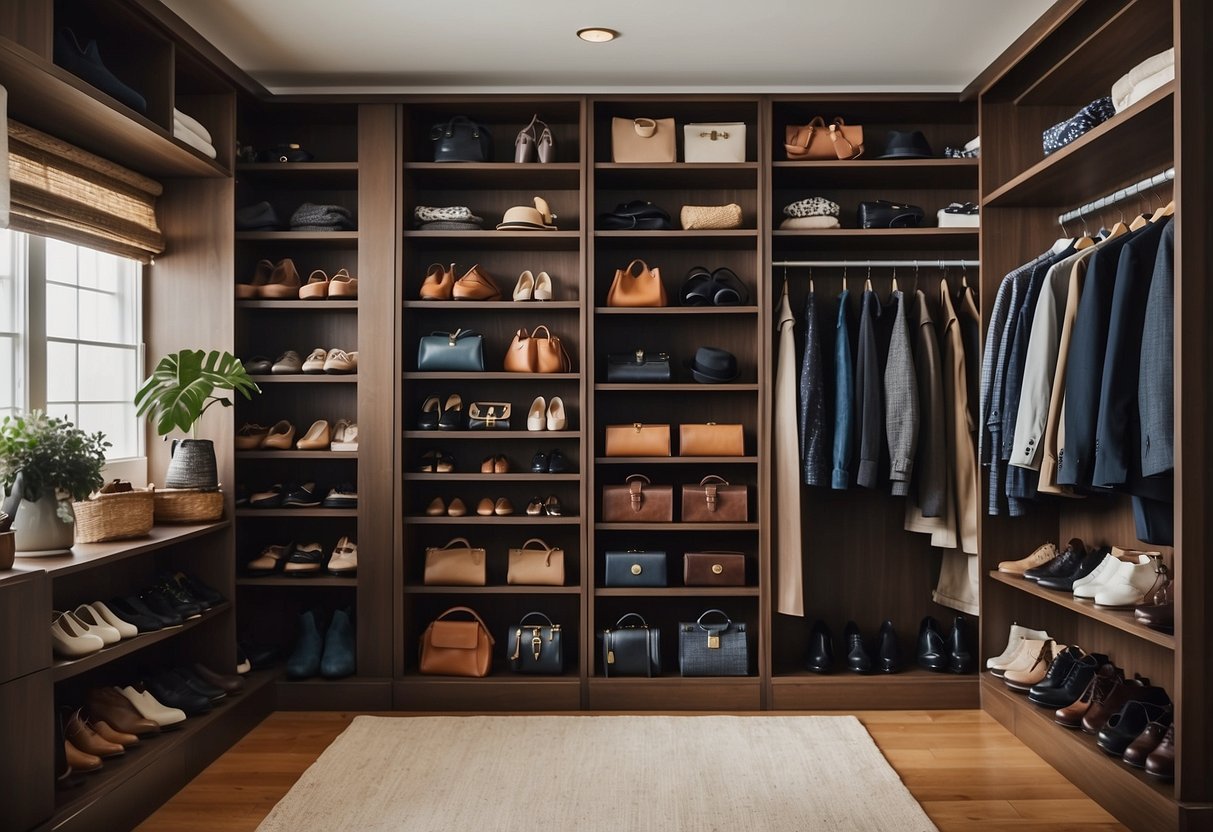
1147 69
193 125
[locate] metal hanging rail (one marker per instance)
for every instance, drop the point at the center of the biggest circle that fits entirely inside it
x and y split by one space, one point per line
1120 196
877 264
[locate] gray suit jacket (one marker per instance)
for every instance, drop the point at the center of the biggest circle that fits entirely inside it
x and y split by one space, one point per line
900 402
1156 378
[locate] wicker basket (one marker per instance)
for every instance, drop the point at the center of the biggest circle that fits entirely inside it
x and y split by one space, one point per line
117 516
188 505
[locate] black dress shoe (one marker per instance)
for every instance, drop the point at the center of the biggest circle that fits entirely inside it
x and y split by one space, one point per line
199 590
557 464
960 652
306 495
181 600
858 660
888 649
133 611
171 690
1064 564
1065 583
539 463
1124 727
821 649
1072 687
931 649
1059 670
199 685
157 607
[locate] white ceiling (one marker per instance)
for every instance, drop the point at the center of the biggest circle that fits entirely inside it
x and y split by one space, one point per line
667 45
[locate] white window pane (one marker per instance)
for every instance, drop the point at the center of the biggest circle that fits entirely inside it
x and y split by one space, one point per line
62 411
8 242
107 374
60 312
61 262
117 422
8 374
60 372
103 317
8 299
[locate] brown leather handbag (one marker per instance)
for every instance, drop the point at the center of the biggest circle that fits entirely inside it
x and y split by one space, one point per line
638 440
713 569
456 648
638 501
816 141
530 352
634 287
536 567
455 564
711 440
714 500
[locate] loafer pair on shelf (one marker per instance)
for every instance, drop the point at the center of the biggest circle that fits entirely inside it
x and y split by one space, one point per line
476 284
306 559
334 361
550 507
545 415
436 415
321 436
304 495
533 286
487 507
721 287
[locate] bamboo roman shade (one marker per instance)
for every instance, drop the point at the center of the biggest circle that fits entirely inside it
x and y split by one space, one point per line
64 192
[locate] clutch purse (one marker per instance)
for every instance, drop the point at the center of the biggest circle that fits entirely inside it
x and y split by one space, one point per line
531 353
455 564
711 440
456 648
638 367
632 288
634 568
714 142
643 140
713 569
638 501
710 216
536 647
714 500
631 650
816 141
489 416
461 140
884 214
461 351
536 567
638 440
713 648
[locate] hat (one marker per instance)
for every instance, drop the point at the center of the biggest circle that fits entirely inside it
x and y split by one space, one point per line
714 366
903 144
259 217
522 218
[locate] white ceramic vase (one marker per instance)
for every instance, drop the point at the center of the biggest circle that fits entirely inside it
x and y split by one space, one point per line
40 528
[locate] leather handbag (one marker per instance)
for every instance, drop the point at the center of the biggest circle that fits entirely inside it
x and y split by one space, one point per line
636 215
634 288
713 648
531 352
638 367
643 140
638 440
638 501
461 351
536 647
489 415
711 440
536 566
633 568
881 213
710 216
456 648
714 142
461 140
455 564
632 649
815 141
713 569
714 500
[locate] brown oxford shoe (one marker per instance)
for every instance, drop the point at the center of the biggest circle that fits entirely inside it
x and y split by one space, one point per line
1161 762
1105 680
106 704
80 734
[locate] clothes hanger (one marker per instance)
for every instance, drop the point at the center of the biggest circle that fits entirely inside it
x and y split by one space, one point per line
1120 227
844 277
810 280
785 281
867 283
1167 210
893 282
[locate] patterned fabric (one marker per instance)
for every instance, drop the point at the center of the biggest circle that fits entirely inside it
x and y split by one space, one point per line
961 153
1082 122
451 213
869 412
814 206
900 402
1156 379
814 430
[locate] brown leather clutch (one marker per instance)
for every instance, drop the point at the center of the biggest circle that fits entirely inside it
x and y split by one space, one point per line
638 501
638 440
714 500
711 440
456 648
455 564
543 566
713 569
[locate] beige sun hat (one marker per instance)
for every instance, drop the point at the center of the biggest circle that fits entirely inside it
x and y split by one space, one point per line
523 218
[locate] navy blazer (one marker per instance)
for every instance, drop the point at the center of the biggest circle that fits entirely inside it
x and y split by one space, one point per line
844 385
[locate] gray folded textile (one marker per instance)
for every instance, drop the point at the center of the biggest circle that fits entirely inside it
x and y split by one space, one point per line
183 133
312 217
449 225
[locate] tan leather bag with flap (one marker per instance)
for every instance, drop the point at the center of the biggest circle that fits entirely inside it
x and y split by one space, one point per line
638 440
638 501
456 648
714 500
711 440
817 142
643 140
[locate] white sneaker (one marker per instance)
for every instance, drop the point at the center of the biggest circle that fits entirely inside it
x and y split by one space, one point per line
1132 583
1088 586
124 628
150 708
536 416
95 624
1017 635
69 638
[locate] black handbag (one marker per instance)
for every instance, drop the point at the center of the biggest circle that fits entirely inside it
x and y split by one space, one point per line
635 215
638 366
713 649
489 416
461 140
535 647
884 214
461 351
634 568
285 153
632 650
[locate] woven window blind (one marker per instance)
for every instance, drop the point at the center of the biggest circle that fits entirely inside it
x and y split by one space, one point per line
64 192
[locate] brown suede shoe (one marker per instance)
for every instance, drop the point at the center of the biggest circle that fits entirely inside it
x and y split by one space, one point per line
1022 680
476 285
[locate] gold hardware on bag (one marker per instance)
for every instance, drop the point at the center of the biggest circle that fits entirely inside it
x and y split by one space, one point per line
714 135
452 337
717 568
536 642
517 644
636 570
637 426
639 356
610 657
490 418
552 632
713 641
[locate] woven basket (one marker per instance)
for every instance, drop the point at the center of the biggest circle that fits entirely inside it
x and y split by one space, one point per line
711 216
116 516
188 505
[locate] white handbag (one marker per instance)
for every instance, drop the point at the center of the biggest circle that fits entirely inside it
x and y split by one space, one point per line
722 142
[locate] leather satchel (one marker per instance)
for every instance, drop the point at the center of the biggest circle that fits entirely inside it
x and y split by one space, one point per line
638 501
461 140
711 440
456 648
461 351
638 367
489 415
631 650
636 215
455 564
638 440
634 568
643 140
884 214
713 569
536 647
637 287
815 141
714 500
536 567
713 648
531 352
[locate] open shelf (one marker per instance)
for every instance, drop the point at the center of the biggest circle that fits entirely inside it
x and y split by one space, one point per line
301 582
634 175
490 435
473 519
331 455
676 527
921 239
296 512
530 307
677 592
299 305
494 175
725 238
311 175
676 460
307 378
499 240
337 239
477 477
516 589
455 378
882 173
91 555
695 387
912 689
676 310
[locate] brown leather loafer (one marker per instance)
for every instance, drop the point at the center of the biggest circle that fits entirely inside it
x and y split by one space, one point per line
1148 740
476 285
228 683
439 282
1021 680
1161 762
80 734
81 761
261 276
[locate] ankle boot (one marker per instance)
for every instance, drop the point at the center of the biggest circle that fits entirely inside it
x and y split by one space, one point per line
821 649
931 653
888 649
304 662
858 660
339 653
960 654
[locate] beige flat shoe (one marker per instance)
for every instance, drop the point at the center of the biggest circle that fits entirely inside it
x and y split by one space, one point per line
317 438
524 289
345 436
485 507
534 416
280 437
343 286
283 283
1040 557
314 363
457 508
556 419
250 436
543 286
436 508
287 364
339 361
317 286
261 276
344 560
503 507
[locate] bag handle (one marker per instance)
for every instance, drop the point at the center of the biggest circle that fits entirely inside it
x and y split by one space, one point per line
645 269
645 128
547 332
455 540
628 615
470 612
728 622
713 478
541 615
631 477
839 140
542 543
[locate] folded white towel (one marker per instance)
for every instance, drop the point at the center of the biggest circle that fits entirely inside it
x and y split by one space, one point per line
809 222
947 220
183 133
973 143
1149 67
1144 87
193 125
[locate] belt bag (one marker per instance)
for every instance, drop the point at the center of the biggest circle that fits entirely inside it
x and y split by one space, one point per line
536 567
816 141
456 648
635 569
884 214
633 650
714 500
710 216
723 142
643 140
638 501
489 416
638 440
536 647
713 569
632 287
713 649
711 440
455 564
638 366
461 140
461 351
531 353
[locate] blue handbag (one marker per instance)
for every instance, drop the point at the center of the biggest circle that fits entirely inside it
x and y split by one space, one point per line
461 351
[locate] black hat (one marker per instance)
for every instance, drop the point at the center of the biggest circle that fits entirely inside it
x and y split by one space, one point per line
713 366
903 144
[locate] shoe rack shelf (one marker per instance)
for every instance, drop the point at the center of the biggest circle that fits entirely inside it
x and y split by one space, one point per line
351 378
332 456
494 305
675 310
914 688
86 556
300 305
300 582
882 173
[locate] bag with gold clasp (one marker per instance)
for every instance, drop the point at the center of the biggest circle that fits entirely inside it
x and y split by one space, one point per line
535 646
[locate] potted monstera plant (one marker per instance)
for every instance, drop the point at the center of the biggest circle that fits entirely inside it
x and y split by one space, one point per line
50 462
174 397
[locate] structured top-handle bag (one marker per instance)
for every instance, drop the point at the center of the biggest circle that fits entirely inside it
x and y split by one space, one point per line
643 140
715 500
538 351
713 648
461 140
631 650
816 141
638 439
536 647
714 142
455 564
536 566
637 501
637 285
461 351
456 648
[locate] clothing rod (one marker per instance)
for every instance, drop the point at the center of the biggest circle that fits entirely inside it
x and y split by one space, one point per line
877 264
1120 196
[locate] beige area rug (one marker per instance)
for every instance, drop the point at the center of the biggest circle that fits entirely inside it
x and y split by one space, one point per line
572 773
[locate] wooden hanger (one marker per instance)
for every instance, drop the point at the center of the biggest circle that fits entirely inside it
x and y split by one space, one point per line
1167 210
893 282
867 283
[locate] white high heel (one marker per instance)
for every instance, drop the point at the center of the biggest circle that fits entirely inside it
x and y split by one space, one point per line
525 288
555 414
543 286
535 417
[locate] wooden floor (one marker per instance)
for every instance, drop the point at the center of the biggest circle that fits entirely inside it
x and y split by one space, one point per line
966 770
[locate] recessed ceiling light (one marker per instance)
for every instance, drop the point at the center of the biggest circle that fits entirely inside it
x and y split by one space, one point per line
596 34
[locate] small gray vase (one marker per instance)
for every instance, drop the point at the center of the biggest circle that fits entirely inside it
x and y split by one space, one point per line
193 465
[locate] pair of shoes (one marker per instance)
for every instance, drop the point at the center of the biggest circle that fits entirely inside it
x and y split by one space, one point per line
476 284
305 559
501 507
721 287
438 507
495 465
1068 677
550 507
438 462
887 649
320 286
549 463
438 416
334 361
1014 639
955 656
546 415
534 140
271 281
305 495
533 286
252 436
331 656
1119 583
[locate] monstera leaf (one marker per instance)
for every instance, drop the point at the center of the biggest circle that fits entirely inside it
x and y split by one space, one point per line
182 387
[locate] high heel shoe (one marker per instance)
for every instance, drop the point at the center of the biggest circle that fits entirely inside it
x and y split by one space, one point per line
524 144
430 413
535 416
546 145
555 414
524 289
439 282
543 286
552 507
452 413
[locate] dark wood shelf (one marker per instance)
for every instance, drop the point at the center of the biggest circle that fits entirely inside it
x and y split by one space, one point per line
501 690
300 175
672 692
912 689
521 518
678 387
477 477
315 581
337 239
351 693
678 592
296 512
93 555
650 175
299 305
676 527
925 240
493 176
676 460
725 238
455 378
530 307
307 378
676 310
490 435
517 589
1120 619
330 455
497 240
883 173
